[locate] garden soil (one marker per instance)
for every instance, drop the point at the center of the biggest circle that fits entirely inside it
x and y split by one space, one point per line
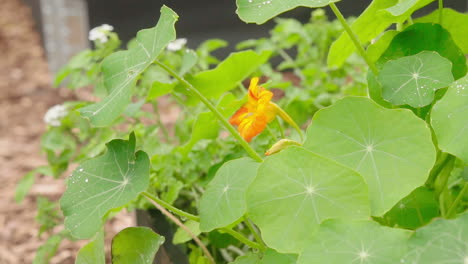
25 96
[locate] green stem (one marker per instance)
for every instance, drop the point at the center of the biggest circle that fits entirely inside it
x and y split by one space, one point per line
455 203
437 168
354 38
242 238
170 207
410 20
288 119
257 236
215 111
443 175
281 129
441 10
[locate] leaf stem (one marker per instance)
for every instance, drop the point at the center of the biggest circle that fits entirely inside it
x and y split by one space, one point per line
288 58
288 119
169 207
354 38
184 227
215 111
241 238
455 203
256 235
441 8
441 159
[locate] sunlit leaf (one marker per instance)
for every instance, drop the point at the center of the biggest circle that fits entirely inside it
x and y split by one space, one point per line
426 37
93 252
339 241
413 80
295 190
226 194
373 21
103 183
122 68
449 118
260 11
442 241
391 149
135 245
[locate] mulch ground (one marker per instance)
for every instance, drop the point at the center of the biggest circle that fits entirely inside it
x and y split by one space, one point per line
25 96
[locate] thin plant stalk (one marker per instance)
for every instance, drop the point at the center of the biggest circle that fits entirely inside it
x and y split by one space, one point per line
168 206
185 228
354 38
451 211
441 11
242 238
215 111
256 235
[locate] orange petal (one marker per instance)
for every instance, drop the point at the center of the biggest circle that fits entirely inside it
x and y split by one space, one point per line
237 118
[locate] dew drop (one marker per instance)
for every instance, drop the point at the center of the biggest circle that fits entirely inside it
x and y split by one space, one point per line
80 170
86 180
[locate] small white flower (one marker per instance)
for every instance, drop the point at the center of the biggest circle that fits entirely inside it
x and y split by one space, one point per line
176 44
100 33
54 115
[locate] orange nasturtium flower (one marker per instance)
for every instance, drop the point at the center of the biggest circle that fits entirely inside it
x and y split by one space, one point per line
253 117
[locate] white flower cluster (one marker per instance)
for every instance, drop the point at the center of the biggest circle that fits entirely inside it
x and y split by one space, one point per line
55 114
176 44
100 33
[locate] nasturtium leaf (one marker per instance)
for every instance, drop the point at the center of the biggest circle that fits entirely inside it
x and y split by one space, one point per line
401 7
413 80
121 69
426 37
374 88
260 11
273 257
339 241
442 241
136 245
181 236
295 190
226 194
375 50
159 89
449 118
93 252
229 73
413 211
454 22
391 148
189 59
373 21
247 259
103 183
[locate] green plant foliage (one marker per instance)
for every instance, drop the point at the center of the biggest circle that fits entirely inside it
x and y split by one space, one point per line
454 22
46 251
273 257
226 193
103 183
121 69
23 186
413 211
391 149
413 80
449 118
339 242
159 89
248 259
227 75
373 21
260 11
93 252
295 190
181 236
442 241
127 246
408 42
375 50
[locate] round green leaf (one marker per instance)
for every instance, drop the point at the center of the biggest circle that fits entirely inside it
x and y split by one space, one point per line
224 199
93 252
260 11
426 37
103 183
449 118
413 80
415 210
391 148
339 242
295 190
136 245
442 241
